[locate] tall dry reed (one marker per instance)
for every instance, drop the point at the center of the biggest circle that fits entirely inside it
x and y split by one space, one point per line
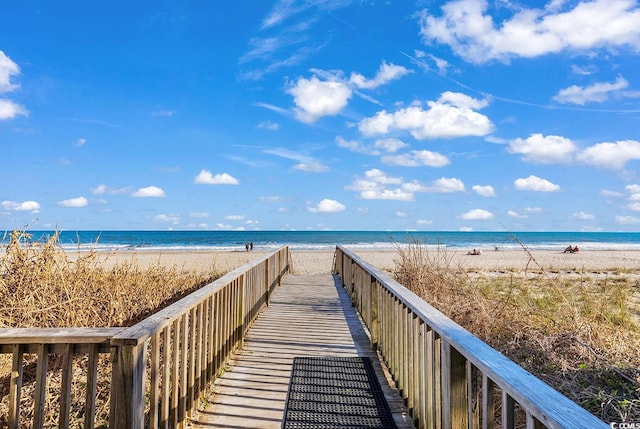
577 333
41 285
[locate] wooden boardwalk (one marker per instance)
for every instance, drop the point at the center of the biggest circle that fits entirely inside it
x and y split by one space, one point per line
308 315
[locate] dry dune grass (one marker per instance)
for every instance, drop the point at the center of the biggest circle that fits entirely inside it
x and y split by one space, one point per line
41 286
578 333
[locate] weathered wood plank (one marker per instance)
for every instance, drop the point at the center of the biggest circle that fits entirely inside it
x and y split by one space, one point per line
56 335
65 387
15 386
41 386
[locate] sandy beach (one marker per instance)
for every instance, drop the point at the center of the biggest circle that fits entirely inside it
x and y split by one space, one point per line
313 262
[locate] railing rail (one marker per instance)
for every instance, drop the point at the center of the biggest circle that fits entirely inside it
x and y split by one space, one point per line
448 377
160 366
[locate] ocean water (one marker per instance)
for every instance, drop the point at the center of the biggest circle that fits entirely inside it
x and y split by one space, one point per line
327 240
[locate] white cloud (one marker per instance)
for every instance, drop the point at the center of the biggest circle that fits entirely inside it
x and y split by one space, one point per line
446 185
356 146
376 185
534 183
315 98
390 144
583 216
81 142
417 158
311 167
627 220
386 73
517 215
305 163
25 206
542 149
533 209
9 110
149 191
598 92
474 36
170 218
476 214
611 155
74 202
452 115
634 206
268 125
424 222
234 217
104 189
326 206
485 191
8 69
206 178
610 194
199 215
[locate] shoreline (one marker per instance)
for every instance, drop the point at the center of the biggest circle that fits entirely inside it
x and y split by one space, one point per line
320 261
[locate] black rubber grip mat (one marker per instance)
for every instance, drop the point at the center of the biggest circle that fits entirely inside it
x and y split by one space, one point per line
335 392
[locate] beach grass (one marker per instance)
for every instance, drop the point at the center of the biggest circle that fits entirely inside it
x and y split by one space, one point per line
578 331
42 286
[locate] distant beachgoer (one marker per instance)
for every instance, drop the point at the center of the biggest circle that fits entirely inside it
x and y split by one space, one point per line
474 252
575 249
251 245
246 246
569 249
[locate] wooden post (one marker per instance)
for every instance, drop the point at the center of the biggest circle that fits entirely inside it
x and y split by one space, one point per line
454 388
129 395
374 325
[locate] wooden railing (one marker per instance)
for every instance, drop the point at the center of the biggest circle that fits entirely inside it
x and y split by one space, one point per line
158 368
449 378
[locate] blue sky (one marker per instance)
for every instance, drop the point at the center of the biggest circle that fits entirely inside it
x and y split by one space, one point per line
320 114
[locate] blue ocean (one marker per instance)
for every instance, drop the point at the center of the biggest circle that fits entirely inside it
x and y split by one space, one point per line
326 240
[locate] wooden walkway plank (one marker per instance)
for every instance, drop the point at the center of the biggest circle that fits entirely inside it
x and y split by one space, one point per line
308 315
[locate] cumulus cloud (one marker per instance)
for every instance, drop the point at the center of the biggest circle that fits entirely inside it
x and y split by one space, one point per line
326 206
377 185
9 110
8 69
387 72
315 98
541 149
476 214
452 115
598 92
535 183
417 158
390 144
149 191
577 26
206 178
25 206
583 216
74 202
485 191
611 155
